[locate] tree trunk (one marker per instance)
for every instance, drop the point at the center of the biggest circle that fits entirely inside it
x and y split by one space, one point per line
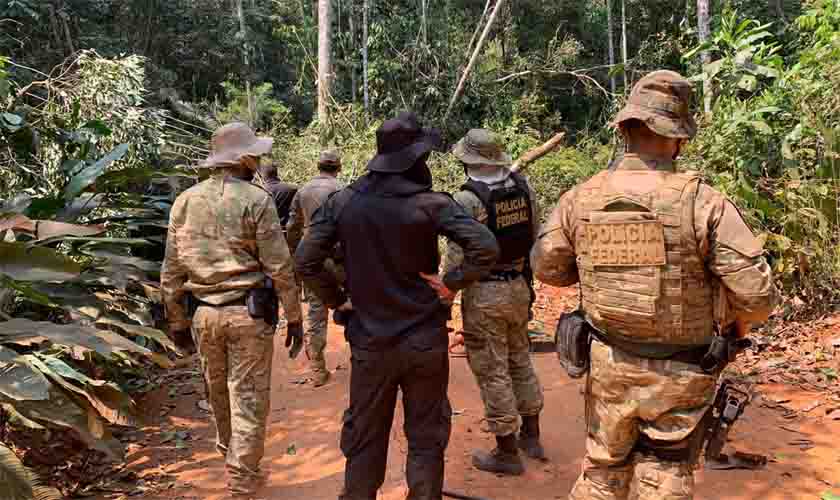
365 22
462 84
611 44
354 52
246 72
424 26
780 11
624 42
704 34
478 27
324 59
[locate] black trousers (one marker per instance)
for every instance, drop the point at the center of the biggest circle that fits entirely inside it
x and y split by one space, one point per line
423 377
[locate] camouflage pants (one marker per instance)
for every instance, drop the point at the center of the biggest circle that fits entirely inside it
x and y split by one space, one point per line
236 354
315 336
496 337
630 396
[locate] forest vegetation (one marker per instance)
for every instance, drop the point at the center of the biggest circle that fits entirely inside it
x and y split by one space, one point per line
105 106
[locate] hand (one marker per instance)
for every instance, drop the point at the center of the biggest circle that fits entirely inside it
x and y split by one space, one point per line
294 339
457 340
345 307
435 282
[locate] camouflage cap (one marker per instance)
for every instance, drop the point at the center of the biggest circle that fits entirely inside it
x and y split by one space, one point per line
232 142
661 101
481 147
330 157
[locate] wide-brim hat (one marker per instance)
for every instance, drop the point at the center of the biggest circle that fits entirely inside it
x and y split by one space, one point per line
330 158
481 147
661 100
400 142
233 142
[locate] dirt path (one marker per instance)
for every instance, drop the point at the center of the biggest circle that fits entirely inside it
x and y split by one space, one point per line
305 462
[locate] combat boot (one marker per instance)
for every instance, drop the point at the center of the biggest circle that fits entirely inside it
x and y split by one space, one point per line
320 378
529 438
504 459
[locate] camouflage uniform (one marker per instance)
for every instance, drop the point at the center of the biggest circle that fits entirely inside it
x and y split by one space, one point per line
653 300
495 316
495 312
224 239
307 200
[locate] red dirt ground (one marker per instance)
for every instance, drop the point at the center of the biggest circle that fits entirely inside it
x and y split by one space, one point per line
305 462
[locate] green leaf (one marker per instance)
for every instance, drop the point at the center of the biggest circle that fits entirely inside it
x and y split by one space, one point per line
760 126
89 174
12 119
110 401
99 127
828 495
26 332
19 380
25 263
830 373
14 477
142 331
70 411
27 291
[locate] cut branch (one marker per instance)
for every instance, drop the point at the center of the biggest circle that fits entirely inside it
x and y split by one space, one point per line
538 152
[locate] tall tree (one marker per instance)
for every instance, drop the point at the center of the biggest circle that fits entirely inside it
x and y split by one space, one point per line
624 41
324 59
704 33
354 52
611 44
462 84
365 23
245 60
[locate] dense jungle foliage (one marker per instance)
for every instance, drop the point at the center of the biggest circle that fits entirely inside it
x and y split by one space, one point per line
105 105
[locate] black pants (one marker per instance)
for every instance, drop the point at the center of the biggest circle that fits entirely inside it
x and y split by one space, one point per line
423 377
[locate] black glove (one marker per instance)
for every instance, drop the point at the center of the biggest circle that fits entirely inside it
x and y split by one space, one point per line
294 339
184 340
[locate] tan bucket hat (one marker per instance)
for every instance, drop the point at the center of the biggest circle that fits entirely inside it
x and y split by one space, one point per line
329 157
481 147
234 141
661 100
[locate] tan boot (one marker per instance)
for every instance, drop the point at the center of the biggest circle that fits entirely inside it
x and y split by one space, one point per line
320 378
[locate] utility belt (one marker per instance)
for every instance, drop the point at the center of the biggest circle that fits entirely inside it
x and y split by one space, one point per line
575 334
261 302
502 276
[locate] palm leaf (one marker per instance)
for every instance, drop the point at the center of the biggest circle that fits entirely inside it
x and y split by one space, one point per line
19 380
27 332
24 263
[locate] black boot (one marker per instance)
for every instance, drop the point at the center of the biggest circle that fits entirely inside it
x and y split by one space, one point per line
502 460
529 438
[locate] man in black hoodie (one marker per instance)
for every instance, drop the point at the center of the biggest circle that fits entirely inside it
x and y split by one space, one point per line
388 223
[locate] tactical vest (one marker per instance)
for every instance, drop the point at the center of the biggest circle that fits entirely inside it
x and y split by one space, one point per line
509 216
642 278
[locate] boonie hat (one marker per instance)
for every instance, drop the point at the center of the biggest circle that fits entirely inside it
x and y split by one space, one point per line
400 142
661 101
329 157
234 141
481 147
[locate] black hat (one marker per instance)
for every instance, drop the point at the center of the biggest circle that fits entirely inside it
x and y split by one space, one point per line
400 142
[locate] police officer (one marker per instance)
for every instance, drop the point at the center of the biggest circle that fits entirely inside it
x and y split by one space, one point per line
282 192
652 248
310 197
388 223
495 309
224 240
